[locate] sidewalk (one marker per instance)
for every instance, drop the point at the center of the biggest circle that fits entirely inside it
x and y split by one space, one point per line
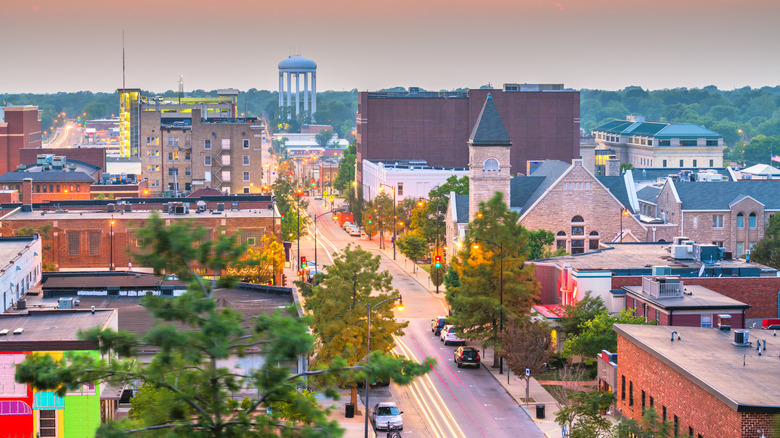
419 275
537 396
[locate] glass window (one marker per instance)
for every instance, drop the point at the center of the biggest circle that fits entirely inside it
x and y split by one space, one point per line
226 160
491 165
246 143
706 321
207 160
94 243
712 163
187 171
663 163
631 393
207 144
400 189
577 219
246 160
246 176
681 163
717 221
577 230
740 220
695 163
73 244
740 248
577 246
752 220
225 143
226 175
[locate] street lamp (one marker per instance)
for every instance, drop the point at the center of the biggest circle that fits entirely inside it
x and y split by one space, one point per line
111 256
501 289
368 346
394 213
623 212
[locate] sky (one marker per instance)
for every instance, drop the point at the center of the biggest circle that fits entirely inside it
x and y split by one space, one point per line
76 45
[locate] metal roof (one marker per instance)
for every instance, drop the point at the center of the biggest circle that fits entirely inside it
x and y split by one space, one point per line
720 195
46 176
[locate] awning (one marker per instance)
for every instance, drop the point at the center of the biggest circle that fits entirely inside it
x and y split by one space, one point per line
14 407
48 400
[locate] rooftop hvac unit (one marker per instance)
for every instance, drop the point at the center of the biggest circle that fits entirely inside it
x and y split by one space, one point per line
724 322
682 251
21 304
111 208
741 338
679 240
165 208
128 207
221 207
706 253
65 303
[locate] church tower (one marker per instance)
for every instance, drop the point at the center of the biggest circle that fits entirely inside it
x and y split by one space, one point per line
489 167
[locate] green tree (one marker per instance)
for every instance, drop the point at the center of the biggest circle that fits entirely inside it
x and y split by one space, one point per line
324 138
526 345
767 250
346 174
413 245
454 184
583 416
574 317
339 305
652 426
258 265
475 302
539 242
597 334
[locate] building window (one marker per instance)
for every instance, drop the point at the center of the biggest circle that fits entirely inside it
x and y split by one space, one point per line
150 168
246 160
695 163
491 165
577 246
752 220
652 402
226 160
717 221
712 143
594 240
154 183
740 248
696 222
73 244
173 141
712 163
400 189
226 175
94 243
246 176
740 220
47 423
577 230
706 321
172 171
751 245
207 144
643 400
631 393
676 426
187 156
663 413
681 163
623 388
663 163
173 156
246 143
58 188
718 243
250 241
207 160
187 171
225 143
246 189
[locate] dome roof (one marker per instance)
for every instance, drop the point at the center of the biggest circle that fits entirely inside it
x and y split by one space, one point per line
297 63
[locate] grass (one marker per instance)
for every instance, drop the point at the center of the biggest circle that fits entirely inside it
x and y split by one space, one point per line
426 268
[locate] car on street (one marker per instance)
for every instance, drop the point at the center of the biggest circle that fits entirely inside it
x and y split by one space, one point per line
450 336
353 231
437 324
386 414
466 356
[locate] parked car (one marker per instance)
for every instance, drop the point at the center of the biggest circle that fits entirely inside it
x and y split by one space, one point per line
437 324
347 224
353 231
449 335
386 414
466 356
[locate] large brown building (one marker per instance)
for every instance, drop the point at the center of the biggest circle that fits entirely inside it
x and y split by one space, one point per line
542 121
20 128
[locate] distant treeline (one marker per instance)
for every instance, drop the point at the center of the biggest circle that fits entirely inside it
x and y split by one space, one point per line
748 118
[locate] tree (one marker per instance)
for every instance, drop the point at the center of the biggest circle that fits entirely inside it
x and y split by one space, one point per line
539 242
260 265
413 245
767 250
187 391
597 334
346 174
475 302
574 317
526 345
339 305
324 138
454 184
583 416
279 147
438 274
652 426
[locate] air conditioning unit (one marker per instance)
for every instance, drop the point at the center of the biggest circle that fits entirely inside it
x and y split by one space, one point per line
741 338
21 304
65 303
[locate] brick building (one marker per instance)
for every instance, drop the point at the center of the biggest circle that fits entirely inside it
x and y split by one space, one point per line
96 156
20 128
21 268
48 185
698 379
542 121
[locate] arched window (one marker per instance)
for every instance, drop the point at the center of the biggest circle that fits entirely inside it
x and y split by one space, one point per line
561 234
752 220
593 238
577 219
491 165
560 242
576 228
740 220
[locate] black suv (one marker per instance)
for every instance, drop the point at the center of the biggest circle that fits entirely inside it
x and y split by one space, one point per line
437 324
466 356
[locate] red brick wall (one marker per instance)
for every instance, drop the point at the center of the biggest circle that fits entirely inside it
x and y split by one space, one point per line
759 292
23 131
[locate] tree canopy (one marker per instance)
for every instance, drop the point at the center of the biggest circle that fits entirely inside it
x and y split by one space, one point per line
597 334
767 250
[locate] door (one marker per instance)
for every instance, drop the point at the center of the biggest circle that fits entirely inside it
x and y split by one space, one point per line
47 423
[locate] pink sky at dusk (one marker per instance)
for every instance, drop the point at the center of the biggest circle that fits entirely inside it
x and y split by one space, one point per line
71 45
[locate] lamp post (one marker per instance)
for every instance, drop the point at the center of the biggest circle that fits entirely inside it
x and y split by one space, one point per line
623 212
111 256
501 292
368 346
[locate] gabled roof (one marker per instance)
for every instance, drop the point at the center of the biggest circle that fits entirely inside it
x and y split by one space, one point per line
719 195
648 194
550 171
489 129
613 127
462 208
645 129
617 186
46 176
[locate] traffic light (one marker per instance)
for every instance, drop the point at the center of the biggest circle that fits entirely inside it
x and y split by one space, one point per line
284 279
438 262
300 273
282 216
313 184
303 261
369 220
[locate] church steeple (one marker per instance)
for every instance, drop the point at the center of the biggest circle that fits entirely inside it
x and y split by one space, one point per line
489 129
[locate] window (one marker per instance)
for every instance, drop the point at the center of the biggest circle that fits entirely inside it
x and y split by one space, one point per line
58 188
706 321
594 240
226 175
690 431
152 141
150 153
73 244
718 243
173 156
631 393
94 243
207 144
154 183
695 163
752 220
246 176
246 160
696 222
740 248
643 400
172 171
623 388
250 241
560 244
47 423
491 165
663 413
712 143
663 163
717 221
226 160
577 219
8 385
246 189
740 220
681 163
225 143
577 230
751 245
207 160
173 141
187 156
652 402
400 189
676 426
37 188
688 142
577 246
187 171
246 143
664 142
45 188
151 168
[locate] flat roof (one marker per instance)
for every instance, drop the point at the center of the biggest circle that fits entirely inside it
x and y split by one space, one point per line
11 248
72 280
700 298
738 376
139 215
52 324
637 256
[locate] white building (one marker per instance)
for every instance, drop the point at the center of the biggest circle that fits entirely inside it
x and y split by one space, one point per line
411 179
21 267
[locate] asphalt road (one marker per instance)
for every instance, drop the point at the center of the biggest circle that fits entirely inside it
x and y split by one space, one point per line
449 401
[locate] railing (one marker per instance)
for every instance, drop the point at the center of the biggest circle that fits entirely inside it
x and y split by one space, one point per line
660 290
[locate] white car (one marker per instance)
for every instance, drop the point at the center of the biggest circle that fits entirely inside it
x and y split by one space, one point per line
385 415
353 231
449 335
347 224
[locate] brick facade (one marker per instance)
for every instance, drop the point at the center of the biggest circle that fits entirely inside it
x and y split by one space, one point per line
694 406
483 184
21 129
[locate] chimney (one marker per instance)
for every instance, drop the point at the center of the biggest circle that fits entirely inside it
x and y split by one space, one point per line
27 191
613 167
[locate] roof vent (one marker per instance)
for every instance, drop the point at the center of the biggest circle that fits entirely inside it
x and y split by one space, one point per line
18 331
3 332
741 338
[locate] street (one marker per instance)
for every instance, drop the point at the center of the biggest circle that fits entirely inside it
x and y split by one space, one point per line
449 401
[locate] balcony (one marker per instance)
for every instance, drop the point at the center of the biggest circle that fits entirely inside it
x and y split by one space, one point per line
662 287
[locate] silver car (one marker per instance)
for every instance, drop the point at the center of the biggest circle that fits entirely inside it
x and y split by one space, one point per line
386 414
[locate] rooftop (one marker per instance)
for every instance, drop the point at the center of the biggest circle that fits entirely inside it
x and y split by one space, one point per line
138 215
11 248
52 324
738 376
700 298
